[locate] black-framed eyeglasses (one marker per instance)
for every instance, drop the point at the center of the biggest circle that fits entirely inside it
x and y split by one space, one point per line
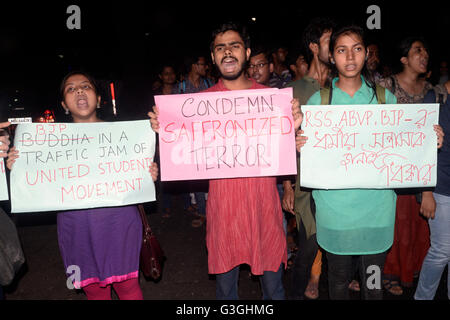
258 65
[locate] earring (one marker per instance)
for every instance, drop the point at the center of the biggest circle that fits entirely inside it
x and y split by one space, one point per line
98 105
67 111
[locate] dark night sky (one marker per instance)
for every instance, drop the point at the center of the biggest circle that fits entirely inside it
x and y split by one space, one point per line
127 40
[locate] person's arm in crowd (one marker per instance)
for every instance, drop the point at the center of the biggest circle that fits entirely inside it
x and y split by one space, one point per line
4 139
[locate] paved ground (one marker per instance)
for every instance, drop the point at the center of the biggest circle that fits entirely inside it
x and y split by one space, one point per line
185 271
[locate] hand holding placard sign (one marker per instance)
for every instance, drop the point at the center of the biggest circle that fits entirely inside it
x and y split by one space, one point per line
369 146
82 165
238 133
3 185
4 145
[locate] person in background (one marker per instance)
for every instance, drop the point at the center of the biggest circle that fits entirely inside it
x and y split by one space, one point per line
4 140
411 235
4 147
438 255
296 62
104 243
195 81
373 61
260 67
307 262
242 229
280 75
443 72
168 78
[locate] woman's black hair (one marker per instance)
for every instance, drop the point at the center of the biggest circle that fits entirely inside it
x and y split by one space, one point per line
163 66
365 72
403 49
83 73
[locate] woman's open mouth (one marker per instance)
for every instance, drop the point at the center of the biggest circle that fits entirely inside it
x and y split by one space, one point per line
82 102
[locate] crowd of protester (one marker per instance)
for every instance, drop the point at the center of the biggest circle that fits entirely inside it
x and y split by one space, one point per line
412 235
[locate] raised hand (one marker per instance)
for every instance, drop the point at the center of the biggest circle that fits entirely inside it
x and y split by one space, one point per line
154 119
4 139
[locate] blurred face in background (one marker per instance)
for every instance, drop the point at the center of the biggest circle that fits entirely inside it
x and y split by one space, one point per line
280 55
324 47
201 67
417 59
260 69
168 75
301 67
373 57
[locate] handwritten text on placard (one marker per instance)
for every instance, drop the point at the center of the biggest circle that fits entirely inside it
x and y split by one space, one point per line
369 146
73 166
227 134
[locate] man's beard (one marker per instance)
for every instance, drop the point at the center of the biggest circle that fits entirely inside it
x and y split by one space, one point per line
234 76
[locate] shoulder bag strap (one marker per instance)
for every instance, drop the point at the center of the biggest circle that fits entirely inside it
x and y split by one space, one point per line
144 219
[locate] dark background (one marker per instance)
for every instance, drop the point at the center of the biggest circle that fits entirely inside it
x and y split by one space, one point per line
126 41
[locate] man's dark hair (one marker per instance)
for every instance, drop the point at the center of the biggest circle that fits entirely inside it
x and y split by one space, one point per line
260 49
312 33
291 58
231 26
191 59
165 65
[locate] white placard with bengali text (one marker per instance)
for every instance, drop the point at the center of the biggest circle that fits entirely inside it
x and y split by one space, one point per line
369 146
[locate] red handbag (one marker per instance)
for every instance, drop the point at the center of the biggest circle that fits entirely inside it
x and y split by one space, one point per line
152 256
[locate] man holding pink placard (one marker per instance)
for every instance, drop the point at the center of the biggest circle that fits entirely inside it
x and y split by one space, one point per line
244 217
226 134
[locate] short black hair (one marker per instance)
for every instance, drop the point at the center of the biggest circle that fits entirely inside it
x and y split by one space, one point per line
292 56
312 33
231 26
164 65
191 59
260 49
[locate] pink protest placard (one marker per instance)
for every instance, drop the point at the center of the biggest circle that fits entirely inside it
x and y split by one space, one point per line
239 133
